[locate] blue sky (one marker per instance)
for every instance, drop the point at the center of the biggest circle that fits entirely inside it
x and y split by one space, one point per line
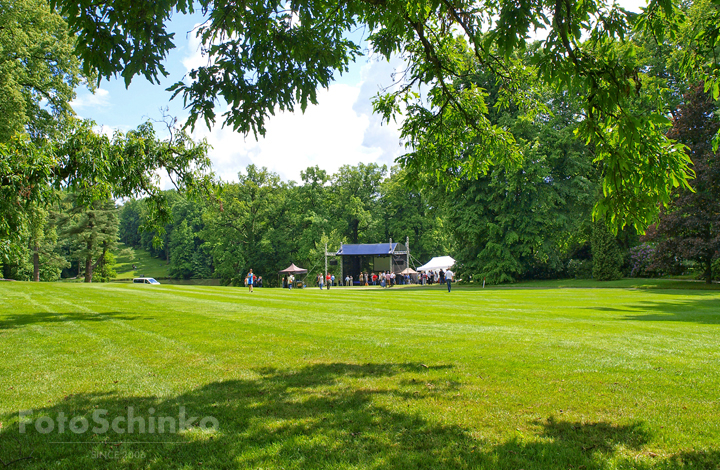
340 130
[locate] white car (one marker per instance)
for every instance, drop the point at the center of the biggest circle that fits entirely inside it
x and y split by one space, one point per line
145 280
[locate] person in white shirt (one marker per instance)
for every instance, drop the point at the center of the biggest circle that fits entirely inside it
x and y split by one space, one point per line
449 275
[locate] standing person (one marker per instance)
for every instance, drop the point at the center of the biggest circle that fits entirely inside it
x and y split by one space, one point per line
250 280
319 280
382 279
328 278
259 281
449 275
291 279
332 280
347 280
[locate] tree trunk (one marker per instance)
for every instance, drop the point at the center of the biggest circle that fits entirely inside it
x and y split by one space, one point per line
36 262
88 263
88 269
355 224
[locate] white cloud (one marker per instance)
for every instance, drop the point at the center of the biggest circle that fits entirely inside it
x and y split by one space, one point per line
86 99
329 135
376 75
196 58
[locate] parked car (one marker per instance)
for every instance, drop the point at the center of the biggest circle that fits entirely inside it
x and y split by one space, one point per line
145 280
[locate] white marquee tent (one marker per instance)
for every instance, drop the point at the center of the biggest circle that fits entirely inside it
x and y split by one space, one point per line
439 262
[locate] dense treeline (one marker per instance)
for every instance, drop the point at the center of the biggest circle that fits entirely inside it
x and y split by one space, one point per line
264 223
67 239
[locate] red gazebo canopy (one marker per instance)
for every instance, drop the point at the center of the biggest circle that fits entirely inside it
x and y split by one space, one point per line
292 269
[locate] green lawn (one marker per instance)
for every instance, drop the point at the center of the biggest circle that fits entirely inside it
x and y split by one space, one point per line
145 265
526 378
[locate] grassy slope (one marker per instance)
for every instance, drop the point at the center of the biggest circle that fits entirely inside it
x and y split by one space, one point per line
353 378
146 265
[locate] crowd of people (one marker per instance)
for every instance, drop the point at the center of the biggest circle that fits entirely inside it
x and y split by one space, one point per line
327 281
390 279
382 279
288 281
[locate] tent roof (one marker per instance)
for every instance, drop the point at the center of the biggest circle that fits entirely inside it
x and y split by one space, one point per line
439 262
371 249
292 269
408 271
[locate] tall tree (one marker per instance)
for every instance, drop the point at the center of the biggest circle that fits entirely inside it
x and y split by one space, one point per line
130 222
356 195
690 227
408 212
182 247
38 70
247 230
311 206
606 254
94 228
515 221
46 261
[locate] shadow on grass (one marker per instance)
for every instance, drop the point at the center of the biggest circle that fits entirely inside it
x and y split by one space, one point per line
320 416
17 321
698 310
607 309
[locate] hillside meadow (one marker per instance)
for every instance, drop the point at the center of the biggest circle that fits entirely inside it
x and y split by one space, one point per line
532 377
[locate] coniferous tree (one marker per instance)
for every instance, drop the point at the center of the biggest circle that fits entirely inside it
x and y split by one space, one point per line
606 255
94 229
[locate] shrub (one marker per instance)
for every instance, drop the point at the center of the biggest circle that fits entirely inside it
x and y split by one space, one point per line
580 268
642 258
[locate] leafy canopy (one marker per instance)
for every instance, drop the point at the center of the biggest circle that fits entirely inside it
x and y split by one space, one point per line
269 55
38 68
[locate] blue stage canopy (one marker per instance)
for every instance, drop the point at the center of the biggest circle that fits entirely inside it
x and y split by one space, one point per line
372 249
